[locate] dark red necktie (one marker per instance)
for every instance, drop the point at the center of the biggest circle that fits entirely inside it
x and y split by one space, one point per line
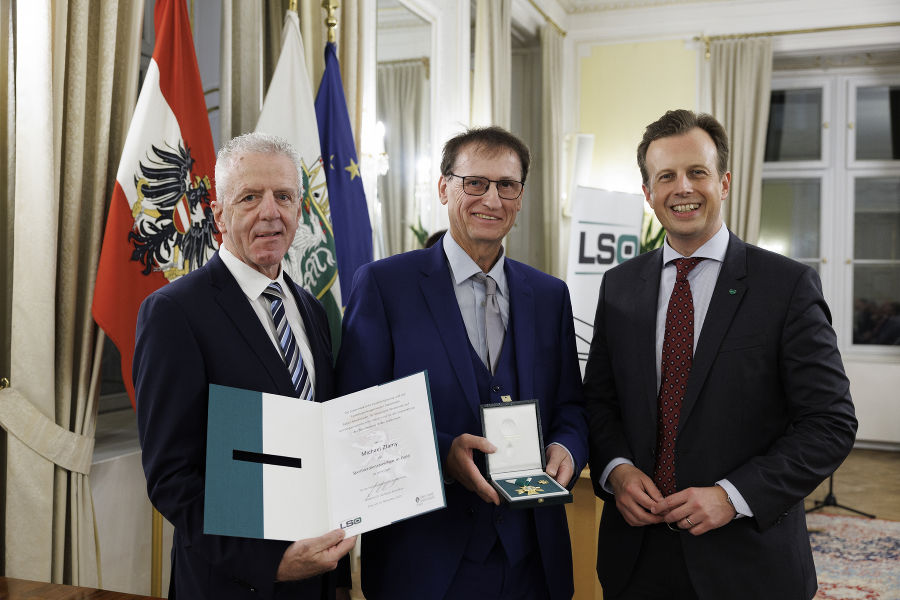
677 357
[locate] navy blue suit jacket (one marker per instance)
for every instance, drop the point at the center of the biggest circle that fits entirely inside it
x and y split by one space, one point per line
197 330
767 407
402 318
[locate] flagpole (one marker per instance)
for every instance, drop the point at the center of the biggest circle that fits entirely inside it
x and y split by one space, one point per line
330 20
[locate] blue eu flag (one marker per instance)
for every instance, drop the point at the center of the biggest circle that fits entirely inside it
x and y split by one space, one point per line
349 213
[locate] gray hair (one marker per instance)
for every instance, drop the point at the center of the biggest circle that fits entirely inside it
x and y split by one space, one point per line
251 143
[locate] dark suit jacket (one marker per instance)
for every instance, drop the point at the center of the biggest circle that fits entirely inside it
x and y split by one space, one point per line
197 330
767 407
403 318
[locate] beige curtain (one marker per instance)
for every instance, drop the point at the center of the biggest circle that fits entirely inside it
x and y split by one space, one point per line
251 43
75 83
491 97
7 182
403 106
551 145
741 80
242 65
526 240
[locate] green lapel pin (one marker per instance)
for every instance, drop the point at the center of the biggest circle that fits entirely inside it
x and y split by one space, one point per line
732 291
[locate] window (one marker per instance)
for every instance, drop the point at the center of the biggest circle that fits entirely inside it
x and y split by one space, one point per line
831 194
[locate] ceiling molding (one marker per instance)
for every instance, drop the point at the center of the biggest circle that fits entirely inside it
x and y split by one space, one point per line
596 6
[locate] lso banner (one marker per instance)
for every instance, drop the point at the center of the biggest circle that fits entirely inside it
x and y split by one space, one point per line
606 229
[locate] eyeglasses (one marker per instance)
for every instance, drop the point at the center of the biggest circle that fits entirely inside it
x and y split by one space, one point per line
508 189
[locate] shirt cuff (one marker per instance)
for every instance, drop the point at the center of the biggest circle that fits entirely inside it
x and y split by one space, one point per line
612 465
737 501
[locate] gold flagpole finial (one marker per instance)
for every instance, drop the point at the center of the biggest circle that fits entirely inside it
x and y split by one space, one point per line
330 20
293 5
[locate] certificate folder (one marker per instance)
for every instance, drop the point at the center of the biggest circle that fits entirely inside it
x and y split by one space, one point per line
286 469
517 468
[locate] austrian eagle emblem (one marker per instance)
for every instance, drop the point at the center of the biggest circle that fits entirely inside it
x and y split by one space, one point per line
174 229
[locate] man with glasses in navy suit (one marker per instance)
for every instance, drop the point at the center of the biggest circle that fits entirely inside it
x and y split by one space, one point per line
429 310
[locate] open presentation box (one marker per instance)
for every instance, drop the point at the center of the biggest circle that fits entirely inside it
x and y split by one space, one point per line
517 468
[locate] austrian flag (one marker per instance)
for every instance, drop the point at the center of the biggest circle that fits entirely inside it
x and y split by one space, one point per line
160 225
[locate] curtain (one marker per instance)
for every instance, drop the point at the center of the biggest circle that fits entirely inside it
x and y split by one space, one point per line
7 181
551 147
491 95
76 67
402 106
526 240
741 81
242 65
251 45
272 24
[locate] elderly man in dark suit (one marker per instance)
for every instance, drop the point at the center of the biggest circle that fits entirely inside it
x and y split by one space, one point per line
238 321
716 395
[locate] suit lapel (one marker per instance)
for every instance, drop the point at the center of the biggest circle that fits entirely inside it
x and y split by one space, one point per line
646 302
437 288
234 303
727 296
524 323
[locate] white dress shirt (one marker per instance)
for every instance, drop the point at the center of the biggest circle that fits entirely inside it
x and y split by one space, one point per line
253 284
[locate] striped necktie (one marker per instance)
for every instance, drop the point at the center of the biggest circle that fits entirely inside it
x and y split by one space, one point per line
290 352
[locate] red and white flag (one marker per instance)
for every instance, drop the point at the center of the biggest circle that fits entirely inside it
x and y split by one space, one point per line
160 225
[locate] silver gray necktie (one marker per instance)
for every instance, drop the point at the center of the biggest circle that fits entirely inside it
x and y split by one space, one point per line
493 322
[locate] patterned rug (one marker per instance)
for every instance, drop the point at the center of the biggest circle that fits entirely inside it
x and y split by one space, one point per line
856 558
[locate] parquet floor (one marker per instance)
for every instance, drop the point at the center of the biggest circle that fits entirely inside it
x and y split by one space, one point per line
869 481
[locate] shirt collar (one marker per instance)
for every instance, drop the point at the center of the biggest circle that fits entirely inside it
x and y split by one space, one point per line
251 281
462 266
713 249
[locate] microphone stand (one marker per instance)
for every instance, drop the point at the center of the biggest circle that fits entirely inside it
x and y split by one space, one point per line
830 500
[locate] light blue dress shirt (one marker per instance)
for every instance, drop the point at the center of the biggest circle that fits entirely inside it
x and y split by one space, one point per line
470 293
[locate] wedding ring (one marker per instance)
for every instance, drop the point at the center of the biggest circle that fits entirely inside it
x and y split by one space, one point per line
689 522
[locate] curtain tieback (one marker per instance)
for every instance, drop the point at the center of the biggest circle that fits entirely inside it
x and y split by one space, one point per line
68 450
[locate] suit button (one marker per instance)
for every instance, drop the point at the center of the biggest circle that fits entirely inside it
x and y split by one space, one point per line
495 389
499 520
471 511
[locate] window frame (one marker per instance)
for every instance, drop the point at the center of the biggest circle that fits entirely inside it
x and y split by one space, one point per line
837 171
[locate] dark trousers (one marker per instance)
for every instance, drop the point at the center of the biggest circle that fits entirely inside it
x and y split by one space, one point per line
497 579
660 572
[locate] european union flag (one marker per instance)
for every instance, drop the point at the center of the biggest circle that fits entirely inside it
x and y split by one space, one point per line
349 212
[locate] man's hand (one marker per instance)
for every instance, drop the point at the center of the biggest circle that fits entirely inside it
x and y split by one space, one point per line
313 556
462 468
559 465
635 494
697 509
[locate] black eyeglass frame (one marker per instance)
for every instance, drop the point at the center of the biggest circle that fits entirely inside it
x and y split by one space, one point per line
496 183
